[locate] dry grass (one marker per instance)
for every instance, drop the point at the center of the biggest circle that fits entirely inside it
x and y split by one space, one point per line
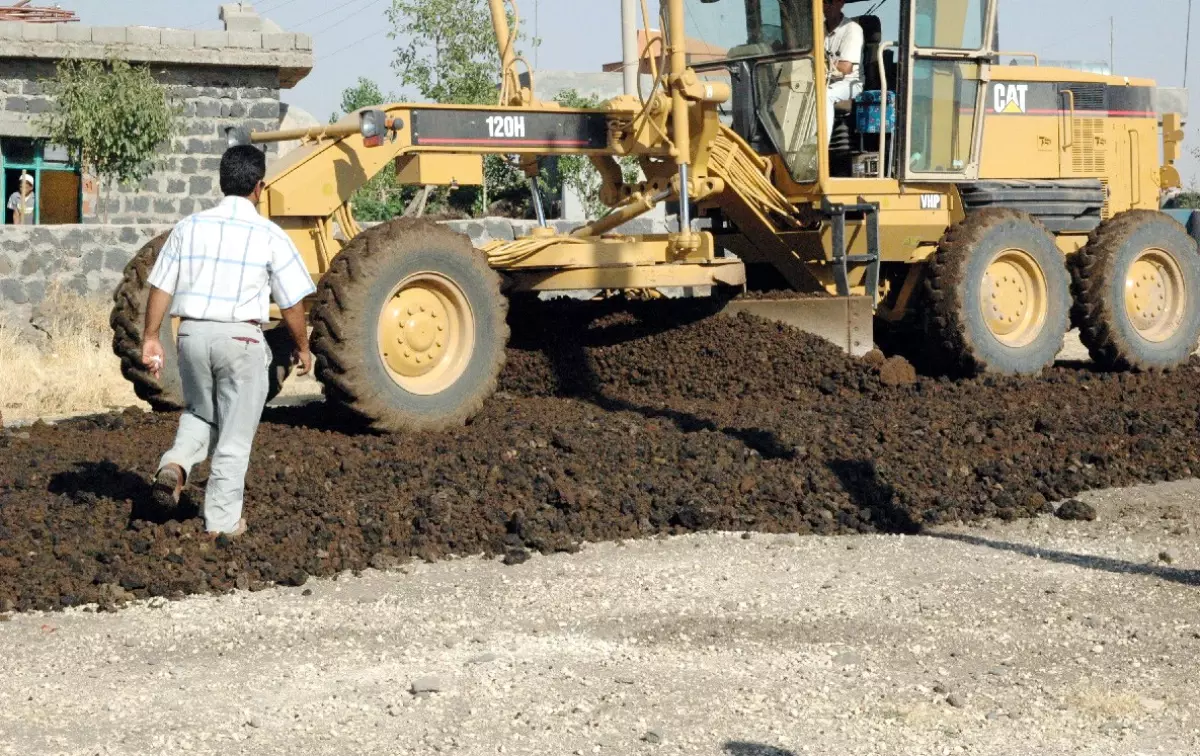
73 372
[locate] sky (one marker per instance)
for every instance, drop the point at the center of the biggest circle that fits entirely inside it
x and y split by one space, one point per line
350 39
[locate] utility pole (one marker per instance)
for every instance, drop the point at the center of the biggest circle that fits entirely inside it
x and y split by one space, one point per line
1187 45
630 64
1112 37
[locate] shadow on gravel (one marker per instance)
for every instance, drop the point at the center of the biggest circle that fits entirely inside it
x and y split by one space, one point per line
740 748
860 479
1105 564
102 479
317 415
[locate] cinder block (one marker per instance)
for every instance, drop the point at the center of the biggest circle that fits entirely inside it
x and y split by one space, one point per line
10 29
109 35
74 33
245 39
243 22
177 38
279 41
143 35
303 42
39 32
215 39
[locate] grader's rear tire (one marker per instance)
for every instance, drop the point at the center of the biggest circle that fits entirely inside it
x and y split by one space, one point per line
1137 292
410 327
998 295
128 315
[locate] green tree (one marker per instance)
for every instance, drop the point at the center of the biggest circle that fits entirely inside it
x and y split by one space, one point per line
113 119
1189 200
449 56
383 197
362 95
577 172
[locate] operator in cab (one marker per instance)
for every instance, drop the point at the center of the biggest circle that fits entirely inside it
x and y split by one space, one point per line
843 55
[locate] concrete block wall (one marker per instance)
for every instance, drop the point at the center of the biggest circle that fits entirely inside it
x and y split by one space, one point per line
212 98
86 260
247 42
90 260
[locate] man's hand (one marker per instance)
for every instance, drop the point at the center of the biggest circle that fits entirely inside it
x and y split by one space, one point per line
303 358
152 350
153 356
294 319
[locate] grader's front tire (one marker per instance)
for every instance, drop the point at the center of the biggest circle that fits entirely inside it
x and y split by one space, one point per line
1137 292
998 295
410 327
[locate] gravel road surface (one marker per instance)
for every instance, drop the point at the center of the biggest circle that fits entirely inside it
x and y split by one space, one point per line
1032 636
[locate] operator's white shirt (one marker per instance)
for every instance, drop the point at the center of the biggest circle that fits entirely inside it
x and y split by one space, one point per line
225 264
845 42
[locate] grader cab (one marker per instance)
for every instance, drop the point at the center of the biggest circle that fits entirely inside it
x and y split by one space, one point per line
985 207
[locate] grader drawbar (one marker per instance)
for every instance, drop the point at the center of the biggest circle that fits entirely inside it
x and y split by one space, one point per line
983 209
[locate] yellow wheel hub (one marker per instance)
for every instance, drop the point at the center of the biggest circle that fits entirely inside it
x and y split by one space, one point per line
1155 298
1014 298
426 333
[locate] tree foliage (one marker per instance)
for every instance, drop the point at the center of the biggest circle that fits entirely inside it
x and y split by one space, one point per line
577 172
383 197
364 94
449 56
112 118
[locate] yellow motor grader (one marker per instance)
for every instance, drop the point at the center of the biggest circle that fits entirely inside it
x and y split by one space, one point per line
992 205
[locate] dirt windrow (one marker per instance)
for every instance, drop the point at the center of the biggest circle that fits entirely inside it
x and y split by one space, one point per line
624 424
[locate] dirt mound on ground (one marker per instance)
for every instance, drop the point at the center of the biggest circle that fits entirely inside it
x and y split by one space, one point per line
897 371
621 427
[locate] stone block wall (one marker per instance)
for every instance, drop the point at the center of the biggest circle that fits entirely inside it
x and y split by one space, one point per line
211 98
86 260
89 260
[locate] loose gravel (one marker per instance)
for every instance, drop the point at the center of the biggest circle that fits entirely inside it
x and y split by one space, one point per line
1037 635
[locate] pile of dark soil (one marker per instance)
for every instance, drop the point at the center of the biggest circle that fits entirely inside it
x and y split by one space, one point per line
620 425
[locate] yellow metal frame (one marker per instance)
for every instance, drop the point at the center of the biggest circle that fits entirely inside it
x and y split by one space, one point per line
675 132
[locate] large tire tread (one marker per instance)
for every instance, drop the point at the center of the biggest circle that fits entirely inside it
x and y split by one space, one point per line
339 310
128 315
947 269
1092 269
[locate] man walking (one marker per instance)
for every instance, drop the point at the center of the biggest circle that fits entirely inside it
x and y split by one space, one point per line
218 270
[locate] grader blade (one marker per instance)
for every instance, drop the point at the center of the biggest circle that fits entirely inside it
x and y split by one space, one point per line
847 322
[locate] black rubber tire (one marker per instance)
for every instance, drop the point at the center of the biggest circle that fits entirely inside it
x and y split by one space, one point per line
1098 282
127 318
345 320
953 316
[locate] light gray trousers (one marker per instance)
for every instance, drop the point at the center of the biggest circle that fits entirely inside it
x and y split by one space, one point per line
223 367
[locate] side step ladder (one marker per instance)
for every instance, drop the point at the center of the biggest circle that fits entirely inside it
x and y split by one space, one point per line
836 212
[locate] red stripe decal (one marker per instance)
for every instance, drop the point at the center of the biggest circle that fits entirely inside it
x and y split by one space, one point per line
1078 113
519 142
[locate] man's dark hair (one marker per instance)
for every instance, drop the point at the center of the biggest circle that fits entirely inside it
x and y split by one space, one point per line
242 167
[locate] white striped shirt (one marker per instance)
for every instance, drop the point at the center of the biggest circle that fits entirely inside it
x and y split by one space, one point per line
225 264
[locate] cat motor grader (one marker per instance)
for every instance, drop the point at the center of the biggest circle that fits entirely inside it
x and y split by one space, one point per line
990 206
